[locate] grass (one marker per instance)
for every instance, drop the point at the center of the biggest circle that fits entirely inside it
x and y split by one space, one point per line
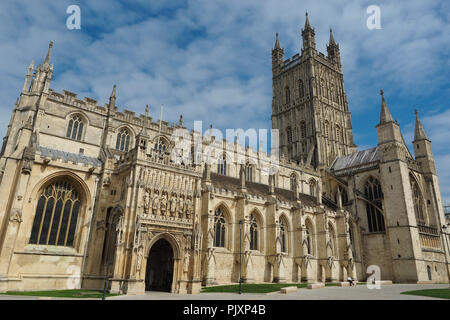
435 293
253 287
257 287
93 294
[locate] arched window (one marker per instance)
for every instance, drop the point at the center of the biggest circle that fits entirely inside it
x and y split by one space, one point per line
293 182
301 88
219 228
254 232
222 166
289 134
312 187
160 146
283 239
375 219
303 129
75 128
249 172
287 93
123 140
418 202
56 216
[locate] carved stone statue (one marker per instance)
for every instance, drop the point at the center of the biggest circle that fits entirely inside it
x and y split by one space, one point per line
146 201
180 206
187 255
173 204
189 208
163 205
155 204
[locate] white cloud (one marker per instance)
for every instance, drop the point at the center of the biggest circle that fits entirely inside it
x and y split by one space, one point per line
210 60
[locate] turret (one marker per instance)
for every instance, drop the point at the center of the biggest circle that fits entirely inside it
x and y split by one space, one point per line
333 50
26 85
308 35
43 74
422 148
277 54
387 129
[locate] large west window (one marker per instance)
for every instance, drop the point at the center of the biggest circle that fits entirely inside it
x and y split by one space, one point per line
56 215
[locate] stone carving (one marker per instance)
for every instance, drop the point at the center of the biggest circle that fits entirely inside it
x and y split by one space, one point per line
180 206
173 204
187 256
155 203
163 205
119 230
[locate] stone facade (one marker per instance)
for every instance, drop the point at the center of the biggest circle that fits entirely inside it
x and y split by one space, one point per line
90 193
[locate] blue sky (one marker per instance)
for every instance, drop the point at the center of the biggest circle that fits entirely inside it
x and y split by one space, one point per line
210 60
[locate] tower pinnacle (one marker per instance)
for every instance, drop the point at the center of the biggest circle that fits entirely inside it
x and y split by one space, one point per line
419 132
385 114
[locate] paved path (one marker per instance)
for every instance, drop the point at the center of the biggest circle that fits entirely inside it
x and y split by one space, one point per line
360 292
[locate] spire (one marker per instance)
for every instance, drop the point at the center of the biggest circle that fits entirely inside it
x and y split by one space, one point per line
47 58
385 115
307 25
332 38
113 93
112 99
419 132
308 35
277 42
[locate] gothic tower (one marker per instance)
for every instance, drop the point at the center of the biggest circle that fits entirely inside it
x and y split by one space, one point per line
309 106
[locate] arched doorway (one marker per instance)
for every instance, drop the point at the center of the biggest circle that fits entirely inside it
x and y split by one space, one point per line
159 272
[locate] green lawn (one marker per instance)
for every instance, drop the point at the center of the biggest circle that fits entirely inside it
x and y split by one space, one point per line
435 293
61 293
257 287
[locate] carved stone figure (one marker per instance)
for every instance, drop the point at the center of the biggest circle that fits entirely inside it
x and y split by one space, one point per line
163 205
189 208
180 206
173 204
155 204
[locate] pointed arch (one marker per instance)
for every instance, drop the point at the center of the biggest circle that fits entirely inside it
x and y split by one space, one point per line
374 195
124 139
418 202
284 232
176 247
60 210
76 126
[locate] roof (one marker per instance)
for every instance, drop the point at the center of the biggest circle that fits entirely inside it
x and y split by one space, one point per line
356 160
68 156
260 189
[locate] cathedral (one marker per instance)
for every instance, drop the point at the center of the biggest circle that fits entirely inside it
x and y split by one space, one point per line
92 196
